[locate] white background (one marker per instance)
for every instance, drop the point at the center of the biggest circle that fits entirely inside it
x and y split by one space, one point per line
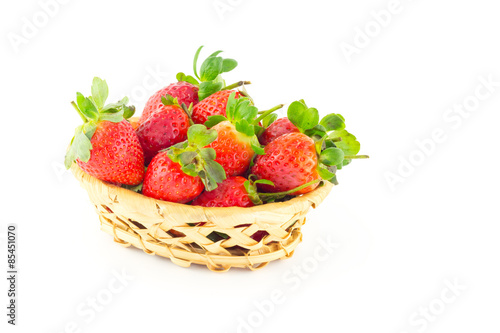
397 245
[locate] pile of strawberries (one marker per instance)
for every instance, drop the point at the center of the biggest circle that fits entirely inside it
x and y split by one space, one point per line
203 142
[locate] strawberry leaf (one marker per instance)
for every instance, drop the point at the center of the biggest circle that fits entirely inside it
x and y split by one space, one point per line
115 117
228 65
198 135
331 156
301 116
87 107
128 111
264 181
325 172
269 119
256 147
208 88
349 144
244 127
208 153
211 68
99 92
214 120
186 78
333 122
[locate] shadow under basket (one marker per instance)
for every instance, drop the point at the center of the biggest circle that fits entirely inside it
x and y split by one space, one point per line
219 238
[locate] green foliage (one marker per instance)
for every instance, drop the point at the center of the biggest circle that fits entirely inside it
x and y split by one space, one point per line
301 116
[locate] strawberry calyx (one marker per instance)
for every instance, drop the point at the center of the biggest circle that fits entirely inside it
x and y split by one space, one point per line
243 115
93 110
195 159
335 146
209 79
168 100
259 198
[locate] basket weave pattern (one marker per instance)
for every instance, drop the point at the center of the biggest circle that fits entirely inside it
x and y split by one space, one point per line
160 227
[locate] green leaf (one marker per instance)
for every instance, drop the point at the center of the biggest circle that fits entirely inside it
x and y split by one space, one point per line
200 136
258 130
332 122
245 110
208 154
228 65
208 88
89 129
211 68
181 77
303 117
195 62
243 126
317 132
113 117
82 146
331 156
99 92
324 172
190 170
187 157
264 181
215 170
349 144
231 106
128 111
269 119
87 107
214 120
256 147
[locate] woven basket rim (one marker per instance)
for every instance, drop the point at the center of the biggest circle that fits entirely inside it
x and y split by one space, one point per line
314 197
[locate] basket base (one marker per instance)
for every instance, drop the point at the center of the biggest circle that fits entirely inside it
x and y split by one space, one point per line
253 260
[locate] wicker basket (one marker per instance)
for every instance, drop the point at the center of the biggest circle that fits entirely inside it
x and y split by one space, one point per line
160 227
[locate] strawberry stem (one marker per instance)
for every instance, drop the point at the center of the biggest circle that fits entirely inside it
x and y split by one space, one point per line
264 114
85 120
236 85
353 157
267 195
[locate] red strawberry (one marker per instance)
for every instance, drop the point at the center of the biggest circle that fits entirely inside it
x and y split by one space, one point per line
233 149
211 106
166 181
179 173
185 92
289 162
231 192
164 128
106 145
277 129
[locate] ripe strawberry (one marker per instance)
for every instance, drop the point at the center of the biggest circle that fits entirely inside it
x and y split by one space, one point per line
231 192
233 149
164 128
106 145
166 181
179 173
212 106
277 129
185 92
289 162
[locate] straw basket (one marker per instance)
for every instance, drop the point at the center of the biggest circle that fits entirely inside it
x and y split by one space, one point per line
160 227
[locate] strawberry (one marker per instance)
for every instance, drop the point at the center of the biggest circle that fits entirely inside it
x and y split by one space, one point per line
289 161
236 143
301 159
185 92
166 181
277 129
212 106
164 128
179 173
106 145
